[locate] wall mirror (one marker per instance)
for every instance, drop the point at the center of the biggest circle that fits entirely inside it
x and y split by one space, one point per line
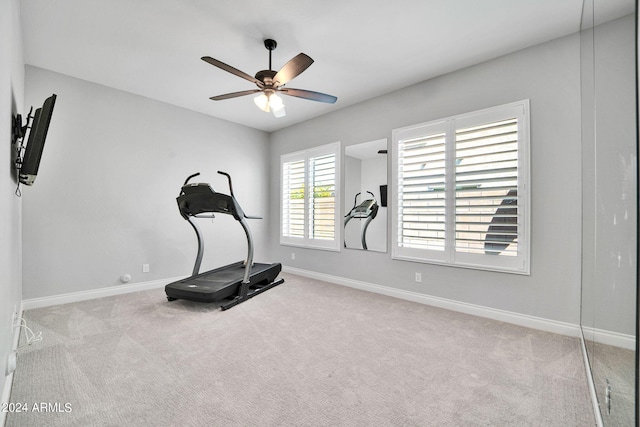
609 198
365 196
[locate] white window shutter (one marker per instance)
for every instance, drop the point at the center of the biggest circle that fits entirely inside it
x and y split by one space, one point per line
310 207
293 197
462 190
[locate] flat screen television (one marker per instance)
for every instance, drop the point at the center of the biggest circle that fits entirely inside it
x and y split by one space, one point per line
383 196
35 144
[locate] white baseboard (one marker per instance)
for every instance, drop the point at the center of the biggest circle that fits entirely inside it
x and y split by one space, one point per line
32 303
6 395
8 380
615 339
539 323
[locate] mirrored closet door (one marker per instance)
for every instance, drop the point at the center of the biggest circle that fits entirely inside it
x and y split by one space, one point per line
609 205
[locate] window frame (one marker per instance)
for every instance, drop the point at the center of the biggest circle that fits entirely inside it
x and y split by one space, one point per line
519 264
306 156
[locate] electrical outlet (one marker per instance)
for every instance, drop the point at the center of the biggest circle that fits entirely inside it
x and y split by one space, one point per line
293 255
145 268
419 277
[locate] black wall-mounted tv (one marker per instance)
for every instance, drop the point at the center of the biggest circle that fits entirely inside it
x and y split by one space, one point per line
35 144
383 196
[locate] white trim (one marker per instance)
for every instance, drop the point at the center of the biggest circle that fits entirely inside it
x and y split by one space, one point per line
310 246
548 325
592 389
6 395
8 380
615 339
32 303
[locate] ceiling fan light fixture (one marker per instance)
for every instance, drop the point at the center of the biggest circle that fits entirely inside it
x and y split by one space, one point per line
275 102
262 101
276 105
270 102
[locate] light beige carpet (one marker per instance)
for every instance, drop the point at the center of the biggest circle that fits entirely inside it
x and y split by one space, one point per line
306 353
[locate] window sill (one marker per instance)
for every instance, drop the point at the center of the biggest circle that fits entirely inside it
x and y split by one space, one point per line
307 246
495 269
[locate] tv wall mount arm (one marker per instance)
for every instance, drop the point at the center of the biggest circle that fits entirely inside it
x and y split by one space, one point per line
18 132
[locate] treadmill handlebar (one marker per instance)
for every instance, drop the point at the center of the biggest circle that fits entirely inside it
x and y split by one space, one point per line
230 184
233 195
189 178
355 199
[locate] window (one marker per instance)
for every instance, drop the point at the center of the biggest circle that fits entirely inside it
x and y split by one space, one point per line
462 194
310 208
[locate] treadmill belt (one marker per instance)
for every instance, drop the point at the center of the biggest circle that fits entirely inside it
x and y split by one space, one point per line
225 276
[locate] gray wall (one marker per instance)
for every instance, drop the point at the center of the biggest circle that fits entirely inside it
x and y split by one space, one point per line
104 203
548 75
11 95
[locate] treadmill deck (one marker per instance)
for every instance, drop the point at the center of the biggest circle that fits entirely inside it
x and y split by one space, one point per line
221 283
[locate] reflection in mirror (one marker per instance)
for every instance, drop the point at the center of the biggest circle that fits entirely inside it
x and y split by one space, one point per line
609 200
365 216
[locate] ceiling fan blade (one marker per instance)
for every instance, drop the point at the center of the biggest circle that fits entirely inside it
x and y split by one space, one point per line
309 94
292 69
234 94
231 70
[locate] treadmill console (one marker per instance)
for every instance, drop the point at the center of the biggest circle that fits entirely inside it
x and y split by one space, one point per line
200 198
365 209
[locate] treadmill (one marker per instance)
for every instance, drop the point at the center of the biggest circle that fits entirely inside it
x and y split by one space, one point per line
367 209
234 282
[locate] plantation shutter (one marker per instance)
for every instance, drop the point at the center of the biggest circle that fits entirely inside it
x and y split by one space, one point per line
293 197
421 196
486 179
310 207
462 190
322 192
420 208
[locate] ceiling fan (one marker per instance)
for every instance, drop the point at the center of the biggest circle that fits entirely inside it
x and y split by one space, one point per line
271 83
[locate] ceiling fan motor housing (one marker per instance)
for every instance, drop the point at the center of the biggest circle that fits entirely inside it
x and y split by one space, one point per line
266 76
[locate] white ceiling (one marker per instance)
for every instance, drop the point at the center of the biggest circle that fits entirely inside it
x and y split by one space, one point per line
362 48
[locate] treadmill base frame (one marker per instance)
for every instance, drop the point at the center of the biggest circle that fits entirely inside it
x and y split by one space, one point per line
262 278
